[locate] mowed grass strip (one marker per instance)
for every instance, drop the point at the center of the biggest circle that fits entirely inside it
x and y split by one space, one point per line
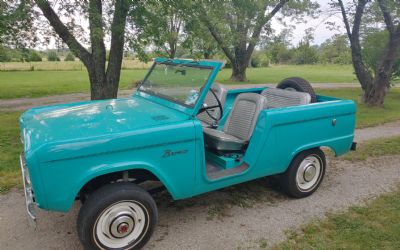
10 148
17 84
375 226
375 148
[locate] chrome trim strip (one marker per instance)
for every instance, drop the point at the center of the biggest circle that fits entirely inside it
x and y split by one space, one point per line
30 204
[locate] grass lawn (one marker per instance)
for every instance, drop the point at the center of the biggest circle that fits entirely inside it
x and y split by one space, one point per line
368 116
376 226
378 147
10 148
63 65
43 83
14 84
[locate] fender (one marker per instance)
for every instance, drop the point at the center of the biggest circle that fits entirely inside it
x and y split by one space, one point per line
109 169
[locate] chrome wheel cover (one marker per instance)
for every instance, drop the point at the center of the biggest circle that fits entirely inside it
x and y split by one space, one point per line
309 173
122 225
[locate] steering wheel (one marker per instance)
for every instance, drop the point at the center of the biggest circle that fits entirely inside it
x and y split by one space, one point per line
219 106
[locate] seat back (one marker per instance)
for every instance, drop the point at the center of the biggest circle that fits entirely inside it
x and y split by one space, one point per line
282 98
244 115
221 93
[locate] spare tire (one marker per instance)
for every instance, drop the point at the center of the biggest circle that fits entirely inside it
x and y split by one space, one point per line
298 84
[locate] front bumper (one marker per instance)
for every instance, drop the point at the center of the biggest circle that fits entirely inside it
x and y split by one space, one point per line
29 197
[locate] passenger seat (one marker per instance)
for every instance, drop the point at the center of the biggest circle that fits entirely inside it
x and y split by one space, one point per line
239 126
278 98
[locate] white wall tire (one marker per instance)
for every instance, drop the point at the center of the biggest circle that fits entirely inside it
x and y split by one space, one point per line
305 173
117 216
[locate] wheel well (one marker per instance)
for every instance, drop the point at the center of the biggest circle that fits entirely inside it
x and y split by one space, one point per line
136 176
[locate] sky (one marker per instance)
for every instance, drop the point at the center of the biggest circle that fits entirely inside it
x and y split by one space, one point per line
321 31
319 24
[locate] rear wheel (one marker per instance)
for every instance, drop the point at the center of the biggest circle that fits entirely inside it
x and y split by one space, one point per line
305 173
117 216
298 84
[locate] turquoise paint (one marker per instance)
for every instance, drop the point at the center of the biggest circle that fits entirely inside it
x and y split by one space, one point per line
68 145
222 161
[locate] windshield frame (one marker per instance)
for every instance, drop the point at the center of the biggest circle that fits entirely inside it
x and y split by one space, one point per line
166 100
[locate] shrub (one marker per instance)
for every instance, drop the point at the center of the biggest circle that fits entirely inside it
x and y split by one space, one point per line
260 60
4 55
52 56
34 57
69 57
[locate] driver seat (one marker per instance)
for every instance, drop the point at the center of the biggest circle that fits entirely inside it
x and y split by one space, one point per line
239 127
221 92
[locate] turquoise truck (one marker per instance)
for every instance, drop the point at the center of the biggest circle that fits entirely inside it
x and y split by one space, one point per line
180 132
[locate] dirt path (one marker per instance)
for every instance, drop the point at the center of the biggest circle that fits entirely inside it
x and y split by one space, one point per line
389 129
239 216
20 104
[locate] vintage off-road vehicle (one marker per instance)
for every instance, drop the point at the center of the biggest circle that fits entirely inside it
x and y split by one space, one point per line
179 131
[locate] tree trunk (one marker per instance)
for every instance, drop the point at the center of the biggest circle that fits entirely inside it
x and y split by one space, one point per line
104 80
375 87
238 72
100 90
375 94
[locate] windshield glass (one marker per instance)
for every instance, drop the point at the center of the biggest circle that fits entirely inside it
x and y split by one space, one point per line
180 83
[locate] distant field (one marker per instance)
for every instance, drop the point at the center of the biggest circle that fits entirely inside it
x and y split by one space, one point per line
14 84
43 83
62 65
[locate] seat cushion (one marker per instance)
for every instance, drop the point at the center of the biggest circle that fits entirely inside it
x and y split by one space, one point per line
244 115
277 98
220 141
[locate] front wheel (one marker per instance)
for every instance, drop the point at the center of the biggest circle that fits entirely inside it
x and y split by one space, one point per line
117 216
305 173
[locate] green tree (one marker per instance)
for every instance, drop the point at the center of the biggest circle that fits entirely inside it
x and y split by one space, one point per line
69 57
260 59
104 18
159 23
16 23
52 56
304 53
4 54
375 82
199 40
34 57
278 47
335 50
237 25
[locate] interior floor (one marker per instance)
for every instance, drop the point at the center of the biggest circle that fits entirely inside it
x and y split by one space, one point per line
215 172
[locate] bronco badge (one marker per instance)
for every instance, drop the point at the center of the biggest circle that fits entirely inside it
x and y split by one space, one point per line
168 152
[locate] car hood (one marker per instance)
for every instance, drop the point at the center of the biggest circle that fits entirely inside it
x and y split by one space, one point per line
93 119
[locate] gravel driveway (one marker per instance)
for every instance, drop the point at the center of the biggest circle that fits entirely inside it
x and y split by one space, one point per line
239 216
